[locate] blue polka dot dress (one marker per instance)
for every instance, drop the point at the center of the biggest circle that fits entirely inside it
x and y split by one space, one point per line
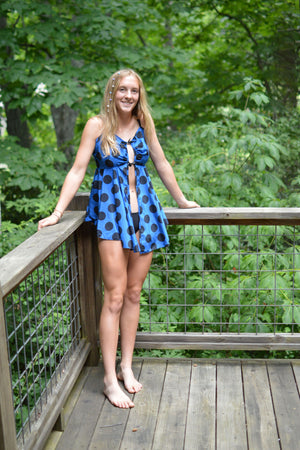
109 202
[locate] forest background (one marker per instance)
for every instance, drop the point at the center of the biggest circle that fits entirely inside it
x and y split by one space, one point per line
222 79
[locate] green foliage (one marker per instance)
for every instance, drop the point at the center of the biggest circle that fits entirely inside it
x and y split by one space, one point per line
30 184
200 50
238 160
13 234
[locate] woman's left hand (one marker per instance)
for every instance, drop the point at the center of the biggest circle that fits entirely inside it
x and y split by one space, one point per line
189 204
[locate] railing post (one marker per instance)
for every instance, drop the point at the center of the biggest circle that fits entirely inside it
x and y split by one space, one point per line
90 292
8 439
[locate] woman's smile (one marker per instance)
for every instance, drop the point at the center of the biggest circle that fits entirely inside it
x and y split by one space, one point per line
128 93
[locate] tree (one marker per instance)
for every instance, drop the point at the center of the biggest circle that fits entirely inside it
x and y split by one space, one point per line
71 48
16 123
253 38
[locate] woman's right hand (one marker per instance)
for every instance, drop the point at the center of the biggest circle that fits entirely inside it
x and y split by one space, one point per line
47 221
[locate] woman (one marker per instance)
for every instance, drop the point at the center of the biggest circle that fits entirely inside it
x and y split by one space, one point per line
129 219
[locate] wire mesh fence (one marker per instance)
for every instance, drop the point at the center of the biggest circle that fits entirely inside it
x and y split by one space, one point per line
43 330
225 279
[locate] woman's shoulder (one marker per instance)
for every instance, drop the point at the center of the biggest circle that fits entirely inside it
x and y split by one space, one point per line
95 124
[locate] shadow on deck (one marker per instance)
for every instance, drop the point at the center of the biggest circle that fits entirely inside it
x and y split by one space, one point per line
188 404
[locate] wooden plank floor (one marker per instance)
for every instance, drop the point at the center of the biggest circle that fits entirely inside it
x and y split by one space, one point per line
190 404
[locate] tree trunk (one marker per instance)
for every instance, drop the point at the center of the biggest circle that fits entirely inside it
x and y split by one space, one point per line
16 123
286 61
64 119
17 126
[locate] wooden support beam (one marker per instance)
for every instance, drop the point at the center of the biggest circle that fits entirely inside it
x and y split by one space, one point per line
8 439
89 291
215 341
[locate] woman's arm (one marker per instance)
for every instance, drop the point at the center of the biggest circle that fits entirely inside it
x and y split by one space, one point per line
166 173
76 174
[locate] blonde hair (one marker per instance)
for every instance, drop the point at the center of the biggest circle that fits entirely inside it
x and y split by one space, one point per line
109 114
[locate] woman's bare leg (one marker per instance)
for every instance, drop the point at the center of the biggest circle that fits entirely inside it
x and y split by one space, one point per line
137 269
114 261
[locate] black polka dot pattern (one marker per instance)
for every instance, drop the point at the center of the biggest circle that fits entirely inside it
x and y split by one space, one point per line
109 203
112 208
109 226
107 179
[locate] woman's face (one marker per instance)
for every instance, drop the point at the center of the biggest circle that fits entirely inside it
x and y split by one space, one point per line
127 94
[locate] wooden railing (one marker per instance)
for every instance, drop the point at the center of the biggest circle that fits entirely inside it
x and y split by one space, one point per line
48 377
32 254
277 225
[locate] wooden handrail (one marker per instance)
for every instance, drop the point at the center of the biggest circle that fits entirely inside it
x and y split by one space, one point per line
20 262
234 216
216 216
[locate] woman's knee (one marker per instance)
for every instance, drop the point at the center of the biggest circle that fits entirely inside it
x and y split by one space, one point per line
113 301
133 295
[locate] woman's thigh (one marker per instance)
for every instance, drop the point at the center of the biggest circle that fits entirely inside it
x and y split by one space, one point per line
121 268
114 261
137 269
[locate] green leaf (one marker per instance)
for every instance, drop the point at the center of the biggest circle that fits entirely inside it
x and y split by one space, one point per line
287 315
296 313
246 116
196 313
208 313
259 98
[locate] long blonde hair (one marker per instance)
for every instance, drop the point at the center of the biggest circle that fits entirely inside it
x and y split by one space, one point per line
109 114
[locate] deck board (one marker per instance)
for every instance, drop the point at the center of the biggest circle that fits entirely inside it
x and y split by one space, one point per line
141 425
261 421
296 369
112 423
231 421
171 419
83 420
201 418
286 404
190 405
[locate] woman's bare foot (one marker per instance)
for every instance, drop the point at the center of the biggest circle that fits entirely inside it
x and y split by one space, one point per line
117 397
131 384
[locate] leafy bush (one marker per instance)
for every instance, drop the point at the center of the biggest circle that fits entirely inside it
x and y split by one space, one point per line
239 160
30 184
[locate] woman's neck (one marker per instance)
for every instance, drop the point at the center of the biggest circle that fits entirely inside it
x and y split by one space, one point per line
125 120
127 127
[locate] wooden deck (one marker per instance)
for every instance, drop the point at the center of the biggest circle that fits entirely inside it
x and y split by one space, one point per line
188 404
